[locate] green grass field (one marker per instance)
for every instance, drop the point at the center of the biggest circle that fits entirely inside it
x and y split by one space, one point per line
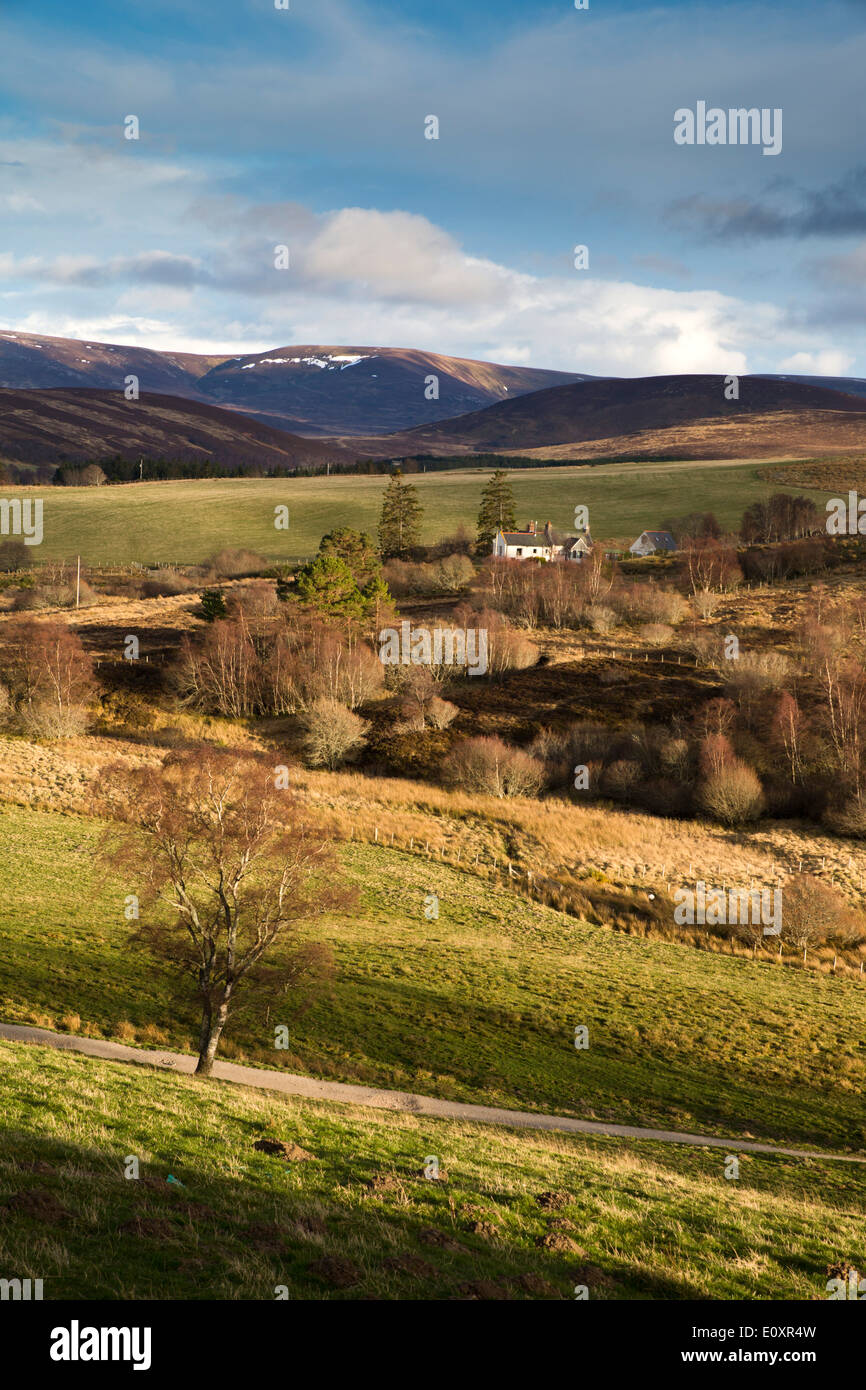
185 522
357 1220
480 1005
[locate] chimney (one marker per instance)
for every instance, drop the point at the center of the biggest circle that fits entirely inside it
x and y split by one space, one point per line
531 528
548 533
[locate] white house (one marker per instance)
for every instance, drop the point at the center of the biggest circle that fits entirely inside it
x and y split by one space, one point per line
648 542
539 545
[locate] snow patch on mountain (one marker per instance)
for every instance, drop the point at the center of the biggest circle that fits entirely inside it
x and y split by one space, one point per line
331 362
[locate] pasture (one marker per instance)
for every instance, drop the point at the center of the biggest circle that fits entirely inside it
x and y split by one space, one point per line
479 1005
185 522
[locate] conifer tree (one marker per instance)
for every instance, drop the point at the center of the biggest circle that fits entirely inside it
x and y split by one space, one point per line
400 518
497 510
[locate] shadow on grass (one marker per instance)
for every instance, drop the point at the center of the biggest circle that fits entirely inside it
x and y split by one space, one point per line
338 1229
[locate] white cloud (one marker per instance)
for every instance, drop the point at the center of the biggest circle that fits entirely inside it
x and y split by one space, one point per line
364 276
23 202
399 255
162 334
826 363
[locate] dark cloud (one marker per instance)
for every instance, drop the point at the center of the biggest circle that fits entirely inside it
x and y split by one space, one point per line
837 210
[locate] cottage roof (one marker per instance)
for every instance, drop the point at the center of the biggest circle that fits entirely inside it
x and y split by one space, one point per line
662 540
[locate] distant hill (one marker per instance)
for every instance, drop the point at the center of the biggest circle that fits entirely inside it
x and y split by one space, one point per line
308 389
340 390
50 427
851 385
31 361
676 416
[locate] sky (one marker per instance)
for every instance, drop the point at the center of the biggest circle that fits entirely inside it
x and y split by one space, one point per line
305 128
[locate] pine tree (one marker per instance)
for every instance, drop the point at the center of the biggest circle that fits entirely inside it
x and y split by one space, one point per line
400 518
213 605
358 551
329 585
497 510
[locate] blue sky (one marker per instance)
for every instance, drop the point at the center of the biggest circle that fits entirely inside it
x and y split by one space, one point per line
305 128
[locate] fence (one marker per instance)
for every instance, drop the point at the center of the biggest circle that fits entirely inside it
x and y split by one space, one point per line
534 885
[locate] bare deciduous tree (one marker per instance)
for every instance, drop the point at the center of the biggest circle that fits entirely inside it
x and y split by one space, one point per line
491 766
333 732
812 911
50 676
210 837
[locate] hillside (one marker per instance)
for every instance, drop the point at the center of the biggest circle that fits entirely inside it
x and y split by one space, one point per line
519 1216
340 390
50 427
478 1006
851 385
309 389
30 361
685 417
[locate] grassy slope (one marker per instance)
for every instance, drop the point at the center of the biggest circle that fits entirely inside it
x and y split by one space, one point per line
480 1005
184 522
641 1220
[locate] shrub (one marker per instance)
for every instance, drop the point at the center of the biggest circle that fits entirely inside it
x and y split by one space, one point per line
656 634
234 564
54 595
441 713
508 649
453 573
849 818
813 912
732 795
213 605
48 721
756 671
674 757
621 779
706 602
256 602
601 618
15 555
404 577
488 765
166 584
654 604
333 733
29 601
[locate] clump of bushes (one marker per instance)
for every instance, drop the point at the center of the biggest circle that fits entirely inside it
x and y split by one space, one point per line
490 766
332 733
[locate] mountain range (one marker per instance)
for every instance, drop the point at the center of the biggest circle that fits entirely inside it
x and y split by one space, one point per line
308 389
62 399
